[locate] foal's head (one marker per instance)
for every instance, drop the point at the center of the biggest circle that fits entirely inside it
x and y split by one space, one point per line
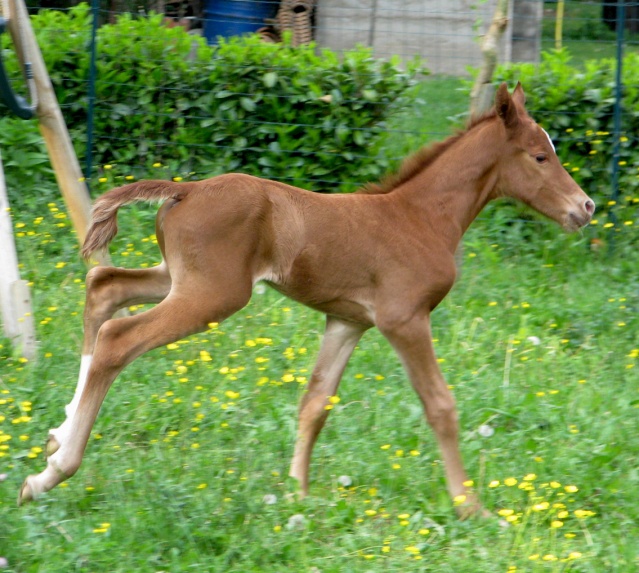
529 169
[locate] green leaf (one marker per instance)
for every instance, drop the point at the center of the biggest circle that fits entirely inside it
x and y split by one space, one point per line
247 103
269 79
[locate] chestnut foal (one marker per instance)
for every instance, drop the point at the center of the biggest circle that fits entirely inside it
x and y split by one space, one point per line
383 257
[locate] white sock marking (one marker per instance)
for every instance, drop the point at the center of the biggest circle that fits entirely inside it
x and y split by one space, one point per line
62 432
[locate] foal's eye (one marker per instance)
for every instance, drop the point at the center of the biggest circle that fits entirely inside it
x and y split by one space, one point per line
541 158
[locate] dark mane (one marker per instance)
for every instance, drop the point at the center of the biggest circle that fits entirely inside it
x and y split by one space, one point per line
421 159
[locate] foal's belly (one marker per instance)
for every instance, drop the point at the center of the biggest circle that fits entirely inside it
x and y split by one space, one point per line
352 307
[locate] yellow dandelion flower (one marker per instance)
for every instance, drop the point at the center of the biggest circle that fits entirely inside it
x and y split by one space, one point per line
574 555
583 513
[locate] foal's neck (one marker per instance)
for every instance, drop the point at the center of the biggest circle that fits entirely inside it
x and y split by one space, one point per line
452 191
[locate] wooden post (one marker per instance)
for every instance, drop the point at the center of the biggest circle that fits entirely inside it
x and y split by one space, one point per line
481 96
15 299
52 126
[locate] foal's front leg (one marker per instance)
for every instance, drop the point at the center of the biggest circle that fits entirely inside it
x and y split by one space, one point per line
412 340
108 289
340 339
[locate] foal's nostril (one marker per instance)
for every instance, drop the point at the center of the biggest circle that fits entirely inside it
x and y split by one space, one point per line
590 207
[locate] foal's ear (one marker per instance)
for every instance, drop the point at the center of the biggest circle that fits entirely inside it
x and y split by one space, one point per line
505 106
519 96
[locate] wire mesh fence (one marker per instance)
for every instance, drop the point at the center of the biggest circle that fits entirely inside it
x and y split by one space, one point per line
166 83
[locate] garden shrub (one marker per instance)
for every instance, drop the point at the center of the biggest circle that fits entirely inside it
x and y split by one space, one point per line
576 106
303 115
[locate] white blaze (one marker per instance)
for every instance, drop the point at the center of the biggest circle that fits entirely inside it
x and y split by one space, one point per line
549 140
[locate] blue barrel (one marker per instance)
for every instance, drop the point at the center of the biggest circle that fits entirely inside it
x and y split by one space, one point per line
234 17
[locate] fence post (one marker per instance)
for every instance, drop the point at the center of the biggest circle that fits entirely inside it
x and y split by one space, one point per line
95 10
621 24
53 128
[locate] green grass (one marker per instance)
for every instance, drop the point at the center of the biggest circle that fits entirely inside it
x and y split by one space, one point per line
441 103
584 33
539 340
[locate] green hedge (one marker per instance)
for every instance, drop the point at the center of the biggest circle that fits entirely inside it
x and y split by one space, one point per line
303 115
576 106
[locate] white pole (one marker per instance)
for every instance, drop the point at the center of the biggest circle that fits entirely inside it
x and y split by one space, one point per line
15 299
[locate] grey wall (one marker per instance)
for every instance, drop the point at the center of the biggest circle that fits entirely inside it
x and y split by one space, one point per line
445 33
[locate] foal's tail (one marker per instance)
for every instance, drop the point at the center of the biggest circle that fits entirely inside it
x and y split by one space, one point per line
104 223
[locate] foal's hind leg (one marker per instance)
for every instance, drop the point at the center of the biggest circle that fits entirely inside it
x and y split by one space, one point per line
119 342
338 344
109 289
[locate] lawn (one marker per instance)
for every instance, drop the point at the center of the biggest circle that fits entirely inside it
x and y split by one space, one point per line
583 31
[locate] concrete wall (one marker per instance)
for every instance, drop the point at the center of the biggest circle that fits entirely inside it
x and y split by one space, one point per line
445 33
526 28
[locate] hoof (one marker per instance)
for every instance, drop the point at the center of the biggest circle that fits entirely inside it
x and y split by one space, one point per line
26 493
472 510
52 445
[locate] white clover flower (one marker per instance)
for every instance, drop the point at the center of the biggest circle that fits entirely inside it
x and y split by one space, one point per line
345 481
